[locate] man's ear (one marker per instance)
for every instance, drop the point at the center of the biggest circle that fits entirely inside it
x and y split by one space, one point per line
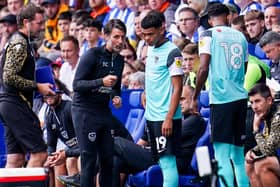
210 21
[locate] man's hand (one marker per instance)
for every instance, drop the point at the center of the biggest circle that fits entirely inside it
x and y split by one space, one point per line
45 88
56 158
117 101
258 118
250 155
109 80
167 127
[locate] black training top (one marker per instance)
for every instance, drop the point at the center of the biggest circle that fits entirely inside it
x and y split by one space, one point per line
60 125
89 91
17 69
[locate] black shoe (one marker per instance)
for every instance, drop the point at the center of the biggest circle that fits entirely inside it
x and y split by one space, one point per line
73 180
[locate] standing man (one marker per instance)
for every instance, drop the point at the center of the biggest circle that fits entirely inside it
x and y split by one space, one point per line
22 127
97 81
69 47
164 80
223 53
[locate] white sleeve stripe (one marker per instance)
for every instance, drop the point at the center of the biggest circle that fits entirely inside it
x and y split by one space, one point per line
205 45
175 70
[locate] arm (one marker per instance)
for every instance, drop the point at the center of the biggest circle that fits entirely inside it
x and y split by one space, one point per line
15 56
202 73
84 70
175 98
174 63
269 145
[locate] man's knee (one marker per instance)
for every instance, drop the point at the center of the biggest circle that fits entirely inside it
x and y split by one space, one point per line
264 165
39 157
15 160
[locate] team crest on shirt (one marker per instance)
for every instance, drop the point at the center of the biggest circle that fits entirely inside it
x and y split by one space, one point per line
92 136
201 43
156 59
178 61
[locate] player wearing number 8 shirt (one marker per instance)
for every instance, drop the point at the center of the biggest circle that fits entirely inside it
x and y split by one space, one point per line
223 54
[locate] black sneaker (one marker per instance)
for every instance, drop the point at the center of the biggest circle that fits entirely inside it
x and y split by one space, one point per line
72 180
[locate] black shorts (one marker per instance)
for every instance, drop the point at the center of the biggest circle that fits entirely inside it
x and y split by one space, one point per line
228 122
162 145
23 133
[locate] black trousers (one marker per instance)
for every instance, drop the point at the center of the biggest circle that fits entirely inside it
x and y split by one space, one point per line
132 158
93 130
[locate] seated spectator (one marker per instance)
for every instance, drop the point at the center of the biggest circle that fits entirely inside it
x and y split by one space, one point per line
165 7
128 52
248 5
63 23
190 63
270 43
125 14
187 24
271 16
269 3
8 27
92 35
53 9
262 162
132 158
198 5
239 24
137 80
14 6
70 55
233 12
254 23
127 71
99 10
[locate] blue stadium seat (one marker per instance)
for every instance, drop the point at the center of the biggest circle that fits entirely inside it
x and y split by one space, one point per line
139 130
152 177
259 52
204 105
135 114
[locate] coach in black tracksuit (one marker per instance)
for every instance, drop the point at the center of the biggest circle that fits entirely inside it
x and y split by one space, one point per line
97 81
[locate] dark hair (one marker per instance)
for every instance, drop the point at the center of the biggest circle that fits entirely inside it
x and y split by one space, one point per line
217 9
130 47
239 20
191 10
114 23
261 89
71 39
93 23
82 19
28 12
65 16
154 19
79 13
